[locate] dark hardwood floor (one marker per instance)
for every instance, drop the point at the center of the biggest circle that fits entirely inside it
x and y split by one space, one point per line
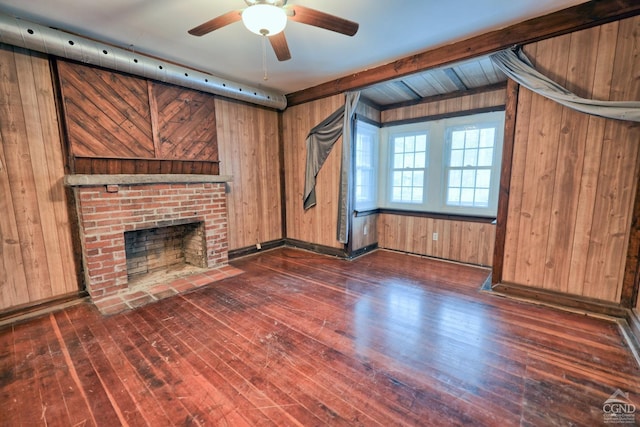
304 339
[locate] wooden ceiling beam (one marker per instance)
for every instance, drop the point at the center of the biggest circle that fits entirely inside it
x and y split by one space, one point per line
585 15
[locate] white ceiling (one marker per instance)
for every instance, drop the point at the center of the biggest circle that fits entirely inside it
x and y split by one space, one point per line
388 31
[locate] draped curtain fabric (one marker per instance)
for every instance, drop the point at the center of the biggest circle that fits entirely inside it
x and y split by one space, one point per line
515 64
320 141
346 177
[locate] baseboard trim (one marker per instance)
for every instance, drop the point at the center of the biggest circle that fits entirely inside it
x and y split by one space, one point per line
548 297
359 252
30 311
314 247
250 250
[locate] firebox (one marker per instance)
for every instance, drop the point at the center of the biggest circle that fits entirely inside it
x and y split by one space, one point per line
161 253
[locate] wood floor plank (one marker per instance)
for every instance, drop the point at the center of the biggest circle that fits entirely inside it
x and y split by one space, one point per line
304 339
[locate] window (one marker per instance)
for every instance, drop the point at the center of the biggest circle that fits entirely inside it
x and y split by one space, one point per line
408 168
469 167
442 166
366 149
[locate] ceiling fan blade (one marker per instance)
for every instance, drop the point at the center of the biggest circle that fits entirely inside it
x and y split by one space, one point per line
319 19
280 47
216 23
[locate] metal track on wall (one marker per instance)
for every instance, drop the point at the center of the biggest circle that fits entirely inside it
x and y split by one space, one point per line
21 33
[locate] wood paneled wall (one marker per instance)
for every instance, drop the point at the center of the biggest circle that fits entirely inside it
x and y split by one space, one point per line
249 152
364 231
463 103
36 255
318 224
464 241
574 176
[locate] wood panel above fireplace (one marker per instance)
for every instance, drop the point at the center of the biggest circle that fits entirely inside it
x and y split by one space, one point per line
118 123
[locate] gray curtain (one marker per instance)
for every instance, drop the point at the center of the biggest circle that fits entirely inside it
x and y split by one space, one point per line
346 178
515 64
320 141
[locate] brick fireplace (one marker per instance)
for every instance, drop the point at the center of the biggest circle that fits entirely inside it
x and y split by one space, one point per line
164 222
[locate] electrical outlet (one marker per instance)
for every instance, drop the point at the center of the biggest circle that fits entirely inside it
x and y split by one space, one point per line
258 246
435 236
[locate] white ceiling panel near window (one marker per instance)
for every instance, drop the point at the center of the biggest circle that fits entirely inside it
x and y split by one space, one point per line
479 72
467 75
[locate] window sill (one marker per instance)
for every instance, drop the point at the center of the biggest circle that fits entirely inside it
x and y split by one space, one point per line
422 214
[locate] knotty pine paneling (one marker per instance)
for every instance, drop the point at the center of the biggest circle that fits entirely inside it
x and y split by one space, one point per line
573 175
464 241
36 255
249 152
318 224
185 125
463 103
107 113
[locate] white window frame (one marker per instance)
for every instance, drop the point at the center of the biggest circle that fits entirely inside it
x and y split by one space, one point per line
436 185
408 169
370 132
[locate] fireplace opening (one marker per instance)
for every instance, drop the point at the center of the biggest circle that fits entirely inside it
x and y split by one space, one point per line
164 253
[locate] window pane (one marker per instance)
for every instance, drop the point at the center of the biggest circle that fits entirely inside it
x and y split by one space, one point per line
469 178
406 194
485 156
453 196
418 179
421 142
455 178
466 196
457 140
487 137
483 178
470 157
482 197
420 160
456 158
409 144
408 160
407 178
417 195
471 138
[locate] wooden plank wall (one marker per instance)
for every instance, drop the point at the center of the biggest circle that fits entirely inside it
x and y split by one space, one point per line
470 242
249 152
446 106
36 255
364 231
318 224
574 176
464 241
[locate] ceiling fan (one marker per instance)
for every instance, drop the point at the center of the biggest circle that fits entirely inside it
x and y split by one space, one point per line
269 17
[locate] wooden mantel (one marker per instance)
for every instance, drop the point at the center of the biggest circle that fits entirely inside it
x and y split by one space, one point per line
81 180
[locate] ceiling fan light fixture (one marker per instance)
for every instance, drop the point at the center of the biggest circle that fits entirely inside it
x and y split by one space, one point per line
264 19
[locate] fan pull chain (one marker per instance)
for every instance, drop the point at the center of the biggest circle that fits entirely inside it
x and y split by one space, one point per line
264 58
